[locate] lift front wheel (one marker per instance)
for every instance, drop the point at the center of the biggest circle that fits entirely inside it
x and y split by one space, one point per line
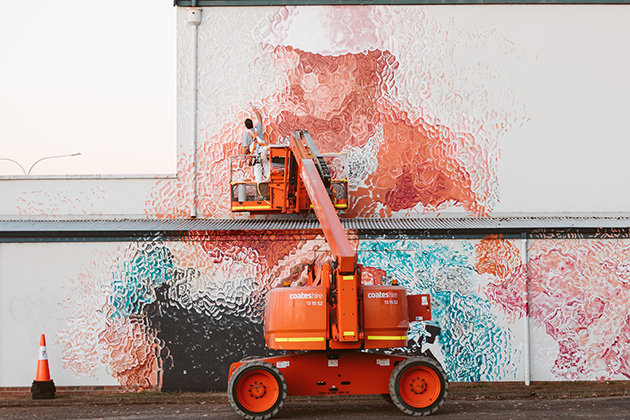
418 386
257 390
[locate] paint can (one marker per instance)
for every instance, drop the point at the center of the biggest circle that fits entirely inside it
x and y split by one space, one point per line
242 191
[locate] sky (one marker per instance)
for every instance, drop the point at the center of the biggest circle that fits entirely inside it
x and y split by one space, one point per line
96 78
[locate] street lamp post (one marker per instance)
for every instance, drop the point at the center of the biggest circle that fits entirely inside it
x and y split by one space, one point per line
50 157
37 161
16 162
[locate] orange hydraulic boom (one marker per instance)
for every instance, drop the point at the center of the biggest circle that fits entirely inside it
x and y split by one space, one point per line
327 324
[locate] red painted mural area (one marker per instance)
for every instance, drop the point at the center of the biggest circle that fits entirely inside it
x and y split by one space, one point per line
346 100
335 98
269 245
501 260
348 104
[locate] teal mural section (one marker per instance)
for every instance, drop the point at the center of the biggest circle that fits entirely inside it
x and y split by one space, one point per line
473 344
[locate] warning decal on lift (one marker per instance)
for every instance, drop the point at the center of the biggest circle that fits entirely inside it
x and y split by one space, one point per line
382 362
283 364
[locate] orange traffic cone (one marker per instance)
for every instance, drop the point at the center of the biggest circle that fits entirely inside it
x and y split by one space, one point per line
43 387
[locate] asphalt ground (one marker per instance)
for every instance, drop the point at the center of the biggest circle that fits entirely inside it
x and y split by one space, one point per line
610 408
459 391
336 408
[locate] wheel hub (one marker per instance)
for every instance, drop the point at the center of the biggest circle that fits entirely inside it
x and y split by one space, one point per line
418 385
257 389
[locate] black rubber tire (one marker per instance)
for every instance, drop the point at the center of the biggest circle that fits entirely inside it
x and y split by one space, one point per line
421 364
243 372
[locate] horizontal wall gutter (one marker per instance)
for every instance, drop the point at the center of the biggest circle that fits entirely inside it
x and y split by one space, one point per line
12 230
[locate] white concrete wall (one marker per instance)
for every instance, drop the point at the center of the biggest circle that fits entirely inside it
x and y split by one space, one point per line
79 196
36 296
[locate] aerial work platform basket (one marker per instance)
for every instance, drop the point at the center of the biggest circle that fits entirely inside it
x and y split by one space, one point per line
281 190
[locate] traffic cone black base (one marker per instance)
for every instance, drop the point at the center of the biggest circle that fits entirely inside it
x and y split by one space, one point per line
43 390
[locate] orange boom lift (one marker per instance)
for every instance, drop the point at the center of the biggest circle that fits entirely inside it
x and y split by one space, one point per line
328 324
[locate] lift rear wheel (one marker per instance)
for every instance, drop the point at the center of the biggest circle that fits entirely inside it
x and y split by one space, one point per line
257 390
418 386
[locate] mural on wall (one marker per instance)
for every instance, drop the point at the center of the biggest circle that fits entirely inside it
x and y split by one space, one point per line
173 315
392 87
501 262
580 292
474 346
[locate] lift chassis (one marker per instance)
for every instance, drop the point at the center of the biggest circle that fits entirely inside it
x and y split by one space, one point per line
334 326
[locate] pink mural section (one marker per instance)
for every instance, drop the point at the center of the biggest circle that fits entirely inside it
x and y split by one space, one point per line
361 95
501 260
95 337
580 292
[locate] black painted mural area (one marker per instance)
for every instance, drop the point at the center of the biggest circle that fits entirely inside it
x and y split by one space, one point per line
200 348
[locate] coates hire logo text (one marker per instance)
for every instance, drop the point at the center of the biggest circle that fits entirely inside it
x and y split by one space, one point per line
382 295
311 295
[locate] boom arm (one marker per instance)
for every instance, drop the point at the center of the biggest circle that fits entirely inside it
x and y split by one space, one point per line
345 278
324 209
